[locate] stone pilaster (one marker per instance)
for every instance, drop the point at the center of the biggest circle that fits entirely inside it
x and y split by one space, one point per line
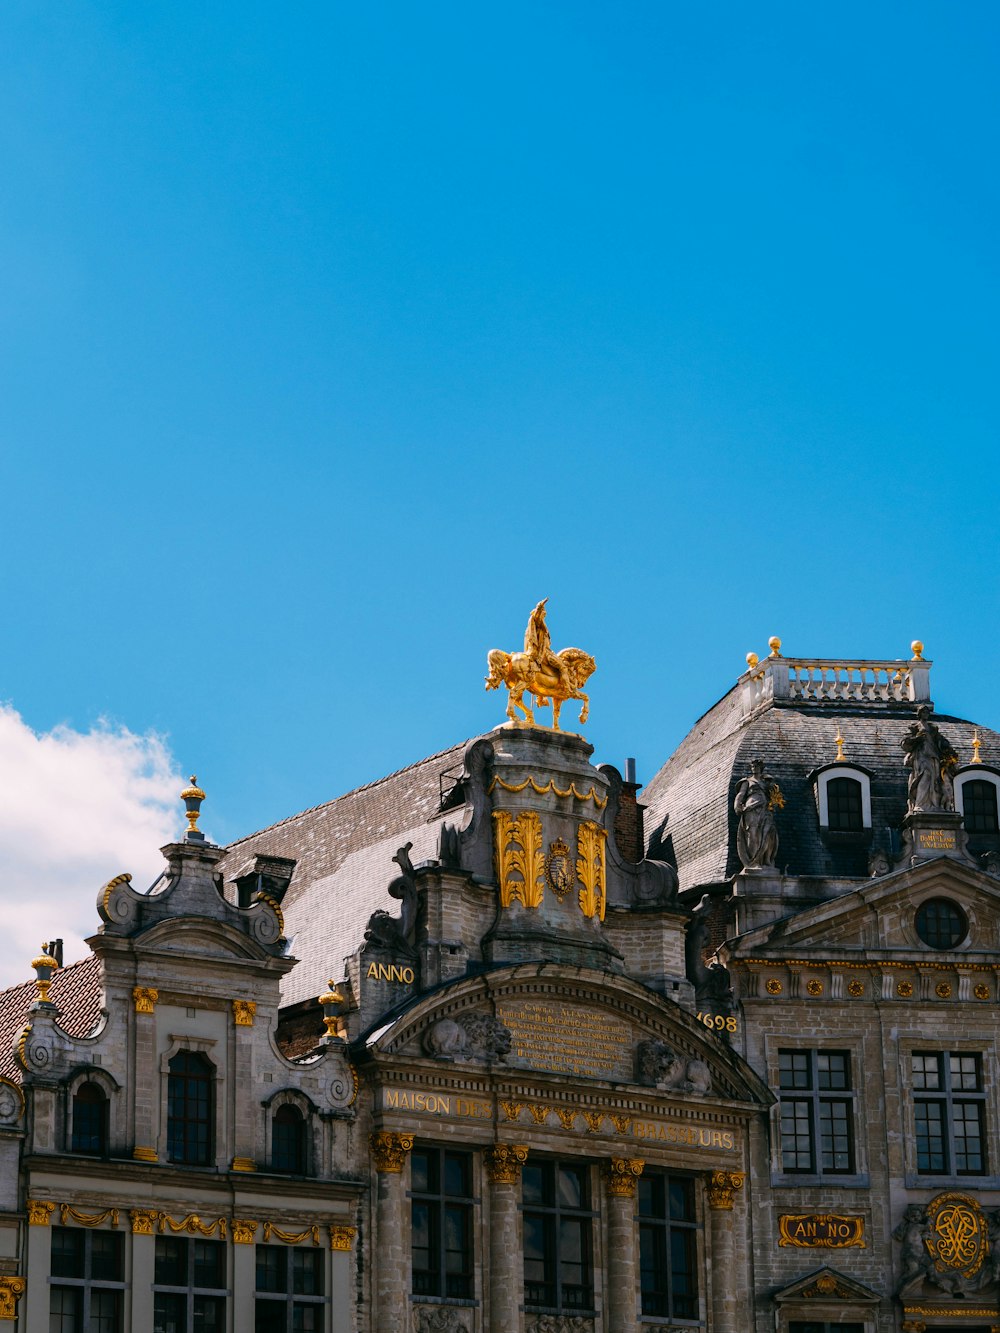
146 1079
503 1168
139 1294
243 1231
392 1280
34 1312
725 1282
244 1149
621 1178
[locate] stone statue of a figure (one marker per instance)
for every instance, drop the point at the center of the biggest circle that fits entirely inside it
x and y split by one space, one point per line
757 797
932 760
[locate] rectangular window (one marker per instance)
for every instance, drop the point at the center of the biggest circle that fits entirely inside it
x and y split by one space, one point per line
558 1237
289 1290
441 1217
88 1271
667 1268
949 1112
817 1112
189 1291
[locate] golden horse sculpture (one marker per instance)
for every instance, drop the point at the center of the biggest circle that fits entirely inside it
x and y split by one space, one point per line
551 677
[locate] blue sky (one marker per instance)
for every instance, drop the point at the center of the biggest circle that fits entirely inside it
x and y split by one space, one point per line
336 335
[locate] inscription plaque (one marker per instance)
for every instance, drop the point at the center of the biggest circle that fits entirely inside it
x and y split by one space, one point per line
569 1039
936 840
830 1231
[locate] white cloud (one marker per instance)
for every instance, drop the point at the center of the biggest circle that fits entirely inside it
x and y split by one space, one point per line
76 809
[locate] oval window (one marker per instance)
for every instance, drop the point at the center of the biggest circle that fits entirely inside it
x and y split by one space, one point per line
941 924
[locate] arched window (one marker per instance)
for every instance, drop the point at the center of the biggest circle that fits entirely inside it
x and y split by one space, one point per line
979 801
90 1119
844 805
288 1140
189 1109
844 798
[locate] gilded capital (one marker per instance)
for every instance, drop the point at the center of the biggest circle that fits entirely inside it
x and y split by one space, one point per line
504 1162
722 1185
341 1238
244 1012
140 1154
11 1290
243 1164
143 1220
621 1175
144 998
39 1212
389 1150
243 1230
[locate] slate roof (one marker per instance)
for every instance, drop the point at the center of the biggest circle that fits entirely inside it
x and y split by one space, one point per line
75 989
343 852
689 803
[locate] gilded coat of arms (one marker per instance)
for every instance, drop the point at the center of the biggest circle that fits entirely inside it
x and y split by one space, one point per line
957 1235
559 868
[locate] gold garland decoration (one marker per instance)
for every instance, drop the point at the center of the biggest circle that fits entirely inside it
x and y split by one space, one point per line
571 790
194 1225
291 1237
87 1219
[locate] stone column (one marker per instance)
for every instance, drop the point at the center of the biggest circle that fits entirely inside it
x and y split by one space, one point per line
35 1310
342 1291
146 1077
243 1231
139 1294
392 1280
621 1177
726 1281
503 1167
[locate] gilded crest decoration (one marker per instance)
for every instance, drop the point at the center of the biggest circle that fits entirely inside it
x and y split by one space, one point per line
558 868
957 1236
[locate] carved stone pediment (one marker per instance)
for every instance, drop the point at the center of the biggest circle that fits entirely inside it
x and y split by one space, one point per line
826 1284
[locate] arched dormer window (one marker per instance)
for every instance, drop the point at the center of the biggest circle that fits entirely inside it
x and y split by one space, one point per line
190 1113
288 1140
977 798
844 797
90 1120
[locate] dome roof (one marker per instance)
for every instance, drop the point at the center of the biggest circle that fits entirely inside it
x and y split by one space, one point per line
793 728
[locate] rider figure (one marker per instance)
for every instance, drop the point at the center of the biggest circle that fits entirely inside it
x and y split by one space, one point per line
538 647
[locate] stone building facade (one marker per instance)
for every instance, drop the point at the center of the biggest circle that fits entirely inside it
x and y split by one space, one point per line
493 1045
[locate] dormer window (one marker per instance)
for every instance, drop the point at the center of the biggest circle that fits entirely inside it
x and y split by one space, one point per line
976 799
843 794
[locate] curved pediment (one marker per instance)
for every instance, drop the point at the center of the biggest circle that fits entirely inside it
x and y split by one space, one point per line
575 1023
200 936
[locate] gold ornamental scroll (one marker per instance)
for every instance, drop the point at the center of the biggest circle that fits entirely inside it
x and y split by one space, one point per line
590 868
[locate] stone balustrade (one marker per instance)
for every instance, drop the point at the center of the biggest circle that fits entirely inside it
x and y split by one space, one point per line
822 680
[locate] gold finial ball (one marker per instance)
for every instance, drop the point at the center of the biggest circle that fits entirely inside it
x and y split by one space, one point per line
774 643
918 650
752 660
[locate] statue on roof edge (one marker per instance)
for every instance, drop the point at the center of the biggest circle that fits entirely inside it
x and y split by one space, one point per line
757 797
551 677
932 760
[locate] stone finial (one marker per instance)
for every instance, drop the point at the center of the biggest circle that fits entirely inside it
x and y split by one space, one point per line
192 797
752 660
45 965
333 1003
774 643
917 648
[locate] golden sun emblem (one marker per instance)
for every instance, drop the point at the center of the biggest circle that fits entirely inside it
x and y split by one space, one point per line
559 869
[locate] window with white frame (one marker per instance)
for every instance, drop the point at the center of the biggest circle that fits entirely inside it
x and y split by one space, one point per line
844 797
977 799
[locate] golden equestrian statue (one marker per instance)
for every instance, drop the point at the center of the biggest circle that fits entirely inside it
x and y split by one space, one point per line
550 677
